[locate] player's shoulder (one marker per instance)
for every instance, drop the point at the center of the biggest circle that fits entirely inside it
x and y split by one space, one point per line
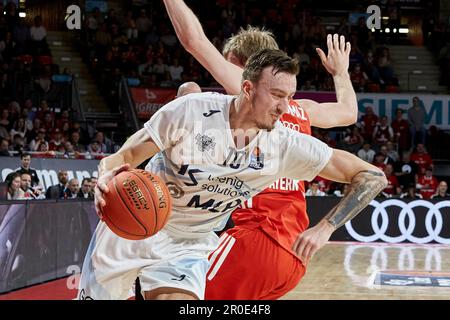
204 101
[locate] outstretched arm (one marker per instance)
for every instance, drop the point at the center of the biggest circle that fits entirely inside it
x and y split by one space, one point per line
344 112
366 182
191 35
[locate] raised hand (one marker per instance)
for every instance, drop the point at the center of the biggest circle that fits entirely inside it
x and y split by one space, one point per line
337 60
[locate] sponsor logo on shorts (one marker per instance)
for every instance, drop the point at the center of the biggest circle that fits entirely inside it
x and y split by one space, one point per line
180 277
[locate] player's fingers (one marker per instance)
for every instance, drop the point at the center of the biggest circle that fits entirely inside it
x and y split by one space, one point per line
329 43
348 48
99 197
336 41
123 167
301 248
342 44
321 54
103 187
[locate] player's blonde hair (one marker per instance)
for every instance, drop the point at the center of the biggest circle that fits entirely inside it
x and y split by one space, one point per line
249 41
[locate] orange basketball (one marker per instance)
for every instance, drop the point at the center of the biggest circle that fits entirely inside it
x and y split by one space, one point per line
138 204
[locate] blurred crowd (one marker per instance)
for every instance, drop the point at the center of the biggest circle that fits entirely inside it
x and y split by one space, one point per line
24 184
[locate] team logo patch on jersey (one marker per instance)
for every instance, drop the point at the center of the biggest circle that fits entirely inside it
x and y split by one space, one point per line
204 142
256 159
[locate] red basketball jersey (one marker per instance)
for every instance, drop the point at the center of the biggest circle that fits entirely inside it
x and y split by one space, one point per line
280 210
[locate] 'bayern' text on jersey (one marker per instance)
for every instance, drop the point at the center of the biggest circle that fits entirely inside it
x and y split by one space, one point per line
207 175
280 210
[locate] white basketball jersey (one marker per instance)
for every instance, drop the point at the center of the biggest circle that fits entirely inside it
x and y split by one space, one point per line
208 177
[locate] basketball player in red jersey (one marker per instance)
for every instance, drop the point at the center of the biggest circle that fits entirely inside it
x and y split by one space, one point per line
264 256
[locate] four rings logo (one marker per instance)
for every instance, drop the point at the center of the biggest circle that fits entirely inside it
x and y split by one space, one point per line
406 222
290 125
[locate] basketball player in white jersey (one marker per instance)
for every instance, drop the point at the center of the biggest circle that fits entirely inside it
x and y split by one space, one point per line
217 151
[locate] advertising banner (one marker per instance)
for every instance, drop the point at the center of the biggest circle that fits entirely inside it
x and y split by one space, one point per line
390 221
42 241
148 100
47 169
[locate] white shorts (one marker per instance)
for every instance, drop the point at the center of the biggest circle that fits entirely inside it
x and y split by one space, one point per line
112 264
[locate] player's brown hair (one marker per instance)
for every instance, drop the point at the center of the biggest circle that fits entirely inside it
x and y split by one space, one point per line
277 59
248 41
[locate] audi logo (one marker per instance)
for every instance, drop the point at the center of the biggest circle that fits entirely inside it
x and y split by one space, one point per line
406 228
292 126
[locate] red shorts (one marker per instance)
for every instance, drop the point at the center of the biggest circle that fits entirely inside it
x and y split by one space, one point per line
249 265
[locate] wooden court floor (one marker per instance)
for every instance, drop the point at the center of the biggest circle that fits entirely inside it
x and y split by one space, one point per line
347 270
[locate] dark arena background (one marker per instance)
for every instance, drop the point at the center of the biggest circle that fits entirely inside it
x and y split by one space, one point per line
79 77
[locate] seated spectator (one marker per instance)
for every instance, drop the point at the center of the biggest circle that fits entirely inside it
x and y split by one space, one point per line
411 193
366 153
29 192
93 184
19 127
391 152
14 191
427 184
393 187
43 151
132 32
94 148
57 191
341 190
72 189
38 31
104 143
324 184
383 132
441 191
4 148
401 130
62 119
353 140
387 159
18 144
75 142
406 170
40 139
368 122
422 158
43 109
4 120
85 190
358 78
33 133
160 69
175 71
56 140
379 161
48 122
314 190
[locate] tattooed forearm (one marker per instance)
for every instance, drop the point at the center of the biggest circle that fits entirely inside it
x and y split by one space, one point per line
365 186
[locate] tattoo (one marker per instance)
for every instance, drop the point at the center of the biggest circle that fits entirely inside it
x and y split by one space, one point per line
365 186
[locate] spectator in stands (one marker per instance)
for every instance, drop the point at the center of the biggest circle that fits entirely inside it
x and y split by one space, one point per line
383 132
64 117
379 161
391 152
19 127
353 140
441 191
4 120
14 112
4 148
314 190
57 191
324 184
370 68
406 170
427 184
387 158
56 141
14 190
38 35
104 144
132 32
401 130
422 158
43 110
384 66
48 123
366 153
143 24
411 193
85 190
93 184
393 187
175 70
416 119
26 168
18 144
29 192
72 190
40 139
75 141
359 78
368 122
160 69
33 133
